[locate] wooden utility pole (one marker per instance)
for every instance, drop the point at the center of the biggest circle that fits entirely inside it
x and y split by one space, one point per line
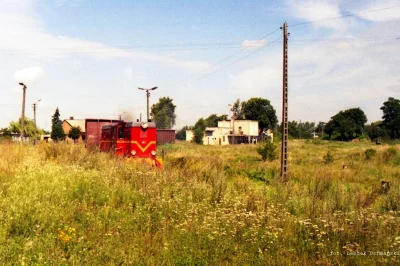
285 132
34 115
23 110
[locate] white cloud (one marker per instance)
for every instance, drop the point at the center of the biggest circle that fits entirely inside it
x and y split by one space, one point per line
24 34
325 78
29 75
310 10
255 44
128 72
388 10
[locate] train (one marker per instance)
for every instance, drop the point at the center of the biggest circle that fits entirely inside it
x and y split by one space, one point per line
128 139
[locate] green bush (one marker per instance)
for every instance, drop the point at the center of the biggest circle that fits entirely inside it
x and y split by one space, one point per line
369 153
389 154
267 150
328 158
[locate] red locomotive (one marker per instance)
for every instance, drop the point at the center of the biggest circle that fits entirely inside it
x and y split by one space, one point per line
133 139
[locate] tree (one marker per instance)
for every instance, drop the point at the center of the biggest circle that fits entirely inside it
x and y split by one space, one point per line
163 113
261 110
75 133
347 123
301 130
375 130
198 131
57 131
293 128
6 132
329 129
181 134
29 127
237 110
391 117
212 120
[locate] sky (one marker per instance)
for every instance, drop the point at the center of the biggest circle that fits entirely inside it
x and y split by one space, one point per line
89 57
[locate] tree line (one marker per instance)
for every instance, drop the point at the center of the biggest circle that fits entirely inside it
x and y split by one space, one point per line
345 125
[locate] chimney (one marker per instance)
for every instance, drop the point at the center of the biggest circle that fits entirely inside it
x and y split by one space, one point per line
71 118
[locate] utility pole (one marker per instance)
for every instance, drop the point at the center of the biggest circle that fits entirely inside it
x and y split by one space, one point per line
285 133
23 110
148 96
34 114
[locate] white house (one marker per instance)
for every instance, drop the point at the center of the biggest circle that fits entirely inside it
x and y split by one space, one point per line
189 135
229 132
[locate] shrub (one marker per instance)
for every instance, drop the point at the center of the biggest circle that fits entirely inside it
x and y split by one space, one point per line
328 158
389 154
369 153
267 151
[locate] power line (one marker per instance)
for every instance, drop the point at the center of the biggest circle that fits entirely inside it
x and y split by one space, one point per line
224 59
344 16
234 62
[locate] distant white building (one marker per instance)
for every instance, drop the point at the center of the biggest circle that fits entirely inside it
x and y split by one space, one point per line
189 135
229 132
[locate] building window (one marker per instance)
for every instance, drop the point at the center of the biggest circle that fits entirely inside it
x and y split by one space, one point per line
223 138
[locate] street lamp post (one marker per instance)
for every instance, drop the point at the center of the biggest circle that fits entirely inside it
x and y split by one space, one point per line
148 96
23 109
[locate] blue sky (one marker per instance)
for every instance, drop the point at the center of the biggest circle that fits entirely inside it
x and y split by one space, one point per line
88 57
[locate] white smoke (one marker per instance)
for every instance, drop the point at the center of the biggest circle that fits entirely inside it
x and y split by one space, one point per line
29 75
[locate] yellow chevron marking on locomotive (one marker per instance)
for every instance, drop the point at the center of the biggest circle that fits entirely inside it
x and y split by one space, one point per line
133 142
140 146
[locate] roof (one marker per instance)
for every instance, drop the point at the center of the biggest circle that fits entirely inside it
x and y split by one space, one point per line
77 123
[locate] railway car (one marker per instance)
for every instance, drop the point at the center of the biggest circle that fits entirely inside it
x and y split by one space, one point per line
131 139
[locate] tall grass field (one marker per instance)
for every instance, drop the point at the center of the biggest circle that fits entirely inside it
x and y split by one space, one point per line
62 204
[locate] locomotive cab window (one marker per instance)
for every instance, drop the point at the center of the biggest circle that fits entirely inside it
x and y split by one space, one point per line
121 132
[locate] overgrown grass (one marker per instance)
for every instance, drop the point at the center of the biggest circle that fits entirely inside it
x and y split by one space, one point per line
62 204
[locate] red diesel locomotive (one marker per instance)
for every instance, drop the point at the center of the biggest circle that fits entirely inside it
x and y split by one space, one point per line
133 139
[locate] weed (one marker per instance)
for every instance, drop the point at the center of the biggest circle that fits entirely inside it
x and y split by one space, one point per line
267 150
328 158
369 153
64 204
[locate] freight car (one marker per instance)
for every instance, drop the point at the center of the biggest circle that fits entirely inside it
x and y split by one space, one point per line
133 139
93 128
165 136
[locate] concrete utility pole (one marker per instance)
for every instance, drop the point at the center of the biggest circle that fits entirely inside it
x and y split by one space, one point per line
148 96
285 133
34 113
23 110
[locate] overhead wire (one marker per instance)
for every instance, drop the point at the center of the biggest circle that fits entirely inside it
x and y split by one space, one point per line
224 59
343 16
234 62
